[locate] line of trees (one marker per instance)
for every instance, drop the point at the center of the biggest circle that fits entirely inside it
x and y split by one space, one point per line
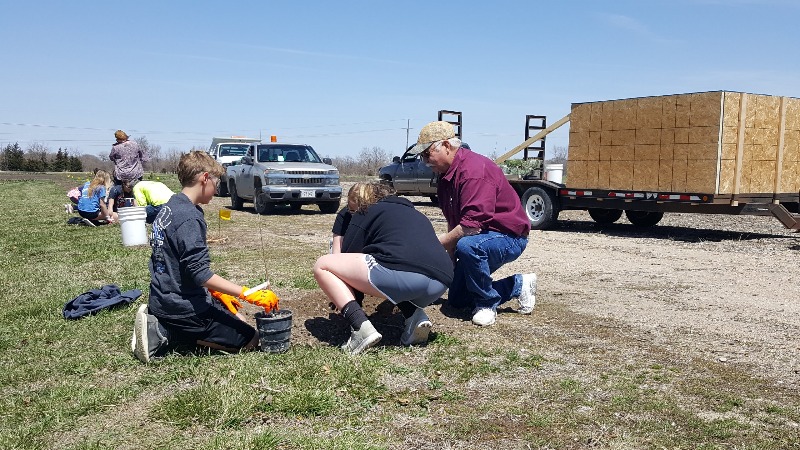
38 159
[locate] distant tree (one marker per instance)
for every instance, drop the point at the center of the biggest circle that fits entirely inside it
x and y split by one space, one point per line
347 165
89 162
13 157
372 159
36 158
170 162
558 156
74 164
60 161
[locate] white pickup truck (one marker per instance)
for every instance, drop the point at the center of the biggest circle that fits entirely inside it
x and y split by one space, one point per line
274 174
227 150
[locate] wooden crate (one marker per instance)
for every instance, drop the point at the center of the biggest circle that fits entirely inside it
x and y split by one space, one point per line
725 143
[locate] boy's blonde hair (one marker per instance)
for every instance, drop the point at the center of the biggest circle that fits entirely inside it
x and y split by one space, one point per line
195 163
101 177
364 194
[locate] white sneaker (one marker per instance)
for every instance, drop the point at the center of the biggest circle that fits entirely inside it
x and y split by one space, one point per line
68 208
88 222
141 344
527 298
417 328
147 337
483 316
360 340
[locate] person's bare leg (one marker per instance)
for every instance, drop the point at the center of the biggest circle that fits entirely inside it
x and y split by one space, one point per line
338 274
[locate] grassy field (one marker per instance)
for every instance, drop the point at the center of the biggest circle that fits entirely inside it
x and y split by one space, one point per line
75 385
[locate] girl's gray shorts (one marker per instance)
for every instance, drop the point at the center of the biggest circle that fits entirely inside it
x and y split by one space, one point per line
399 286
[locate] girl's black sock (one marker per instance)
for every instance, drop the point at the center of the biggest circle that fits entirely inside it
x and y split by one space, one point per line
354 314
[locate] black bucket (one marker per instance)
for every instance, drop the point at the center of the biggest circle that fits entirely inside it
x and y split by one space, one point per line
274 330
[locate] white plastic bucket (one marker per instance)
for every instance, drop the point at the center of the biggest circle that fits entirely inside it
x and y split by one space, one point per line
132 223
554 172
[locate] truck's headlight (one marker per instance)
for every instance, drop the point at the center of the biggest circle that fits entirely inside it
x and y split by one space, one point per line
274 171
333 172
332 181
276 181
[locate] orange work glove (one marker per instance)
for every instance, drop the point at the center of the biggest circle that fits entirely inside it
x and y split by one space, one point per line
229 301
265 299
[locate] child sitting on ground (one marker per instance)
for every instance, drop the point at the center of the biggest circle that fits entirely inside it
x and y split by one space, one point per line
92 204
150 194
181 310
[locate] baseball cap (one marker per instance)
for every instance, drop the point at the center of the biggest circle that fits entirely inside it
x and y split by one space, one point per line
433 132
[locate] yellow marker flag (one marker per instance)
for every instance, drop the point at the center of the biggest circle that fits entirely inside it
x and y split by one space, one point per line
225 214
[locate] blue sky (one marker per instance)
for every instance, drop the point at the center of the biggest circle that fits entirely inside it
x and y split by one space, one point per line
345 75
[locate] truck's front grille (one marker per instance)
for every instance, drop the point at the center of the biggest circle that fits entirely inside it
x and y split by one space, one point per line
305 172
304 181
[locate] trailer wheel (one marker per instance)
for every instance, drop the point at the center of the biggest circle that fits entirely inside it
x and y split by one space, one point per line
236 201
540 207
644 218
605 216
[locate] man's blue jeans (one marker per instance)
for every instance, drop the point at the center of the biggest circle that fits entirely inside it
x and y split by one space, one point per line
477 257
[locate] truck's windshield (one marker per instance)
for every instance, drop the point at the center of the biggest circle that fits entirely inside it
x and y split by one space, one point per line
233 149
287 153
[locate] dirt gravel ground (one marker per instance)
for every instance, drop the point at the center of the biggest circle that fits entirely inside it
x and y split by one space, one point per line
718 288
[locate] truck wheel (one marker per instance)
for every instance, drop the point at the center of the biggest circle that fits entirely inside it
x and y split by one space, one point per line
329 207
236 201
262 206
540 207
222 189
605 216
644 218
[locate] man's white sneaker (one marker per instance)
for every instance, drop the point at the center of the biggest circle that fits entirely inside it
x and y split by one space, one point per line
360 340
88 222
483 316
417 328
527 298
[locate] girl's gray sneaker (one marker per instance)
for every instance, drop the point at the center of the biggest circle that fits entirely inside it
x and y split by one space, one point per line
417 328
362 339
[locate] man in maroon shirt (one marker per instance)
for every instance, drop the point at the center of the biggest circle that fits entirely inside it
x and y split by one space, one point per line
487 225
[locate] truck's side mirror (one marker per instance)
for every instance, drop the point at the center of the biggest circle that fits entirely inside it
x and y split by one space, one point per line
396 159
247 160
327 161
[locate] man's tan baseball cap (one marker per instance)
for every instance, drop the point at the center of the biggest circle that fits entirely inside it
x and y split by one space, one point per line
433 132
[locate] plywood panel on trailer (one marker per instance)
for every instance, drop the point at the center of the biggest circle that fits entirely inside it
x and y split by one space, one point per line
701 176
645 174
688 143
621 176
576 173
665 175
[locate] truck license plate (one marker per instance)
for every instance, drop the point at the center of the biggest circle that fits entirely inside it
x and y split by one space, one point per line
306 193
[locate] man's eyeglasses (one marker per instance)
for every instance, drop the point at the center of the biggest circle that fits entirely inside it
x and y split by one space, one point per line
425 154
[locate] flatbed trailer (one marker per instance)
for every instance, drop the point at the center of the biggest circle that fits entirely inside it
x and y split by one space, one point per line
543 199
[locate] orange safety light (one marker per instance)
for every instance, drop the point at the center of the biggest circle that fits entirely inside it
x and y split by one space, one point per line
273 138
